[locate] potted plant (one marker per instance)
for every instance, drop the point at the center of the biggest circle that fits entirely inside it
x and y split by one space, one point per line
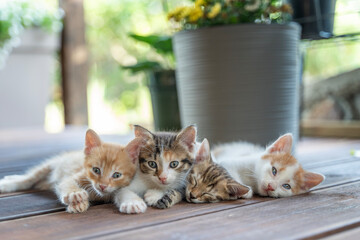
28 42
162 83
237 69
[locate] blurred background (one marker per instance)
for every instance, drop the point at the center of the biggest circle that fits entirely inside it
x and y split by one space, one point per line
116 97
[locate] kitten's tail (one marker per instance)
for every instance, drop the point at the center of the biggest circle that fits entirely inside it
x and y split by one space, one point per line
34 176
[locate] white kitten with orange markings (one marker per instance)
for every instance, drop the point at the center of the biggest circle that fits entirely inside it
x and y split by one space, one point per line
272 172
79 177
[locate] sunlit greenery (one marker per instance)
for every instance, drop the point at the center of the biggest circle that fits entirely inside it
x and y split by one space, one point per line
109 24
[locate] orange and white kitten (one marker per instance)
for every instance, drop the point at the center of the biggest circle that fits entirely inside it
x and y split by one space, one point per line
83 176
164 161
272 172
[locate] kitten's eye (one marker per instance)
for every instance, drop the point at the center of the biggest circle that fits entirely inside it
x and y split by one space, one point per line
174 164
96 170
211 185
274 171
152 164
286 186
116 175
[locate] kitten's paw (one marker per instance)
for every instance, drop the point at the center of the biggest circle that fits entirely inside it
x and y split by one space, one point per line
75 197
78 207
152 196
134 206
77 201
248 195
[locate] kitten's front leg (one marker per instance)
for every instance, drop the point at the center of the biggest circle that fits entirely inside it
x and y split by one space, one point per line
159 199
129 202
70 194
249 194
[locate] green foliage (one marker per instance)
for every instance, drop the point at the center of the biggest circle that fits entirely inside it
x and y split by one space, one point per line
143 66
162 44
17 15
108 26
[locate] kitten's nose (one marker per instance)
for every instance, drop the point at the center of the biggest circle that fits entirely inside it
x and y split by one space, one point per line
162 179
103 187
192 196
269 187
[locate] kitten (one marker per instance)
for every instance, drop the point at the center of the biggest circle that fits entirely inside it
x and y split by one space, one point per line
79 177
209 182
272 172
164 162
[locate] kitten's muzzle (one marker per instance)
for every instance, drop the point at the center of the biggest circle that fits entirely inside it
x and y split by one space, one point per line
103 187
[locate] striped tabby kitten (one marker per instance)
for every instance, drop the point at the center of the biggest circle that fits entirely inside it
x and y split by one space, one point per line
209 182
79 177
164 162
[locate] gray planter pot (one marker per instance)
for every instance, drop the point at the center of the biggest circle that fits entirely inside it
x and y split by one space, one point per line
25 81
240 81
164 100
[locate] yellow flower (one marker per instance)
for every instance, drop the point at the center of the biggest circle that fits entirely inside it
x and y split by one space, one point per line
199 3
214 10
179 13
195 14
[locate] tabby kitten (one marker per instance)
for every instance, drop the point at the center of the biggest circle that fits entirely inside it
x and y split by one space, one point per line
164 162
272 172
209 182
79 177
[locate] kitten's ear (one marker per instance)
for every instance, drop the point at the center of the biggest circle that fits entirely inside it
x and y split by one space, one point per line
236 189
187 136
312 179
282 144
133 148
203 154
92 140
142 132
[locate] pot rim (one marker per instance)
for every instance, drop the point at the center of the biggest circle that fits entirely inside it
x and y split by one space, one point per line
290 25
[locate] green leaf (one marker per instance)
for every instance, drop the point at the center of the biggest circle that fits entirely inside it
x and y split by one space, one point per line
143 66
162 44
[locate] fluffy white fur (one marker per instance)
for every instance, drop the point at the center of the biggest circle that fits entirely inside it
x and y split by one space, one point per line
244 163
147 189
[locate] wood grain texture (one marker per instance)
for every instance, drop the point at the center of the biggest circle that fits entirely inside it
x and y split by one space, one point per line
352 234
25 205
106 219
287 218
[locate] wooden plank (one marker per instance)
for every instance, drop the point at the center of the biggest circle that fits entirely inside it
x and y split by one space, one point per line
299 217
18 206
323 128
106 219
348 235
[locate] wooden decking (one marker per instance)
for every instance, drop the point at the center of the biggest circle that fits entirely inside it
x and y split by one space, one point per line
331 211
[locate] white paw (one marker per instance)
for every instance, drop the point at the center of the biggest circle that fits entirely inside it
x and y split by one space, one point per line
249 194
133 206
75 197
78 207
152 196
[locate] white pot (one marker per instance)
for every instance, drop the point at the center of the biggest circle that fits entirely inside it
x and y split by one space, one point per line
25 81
